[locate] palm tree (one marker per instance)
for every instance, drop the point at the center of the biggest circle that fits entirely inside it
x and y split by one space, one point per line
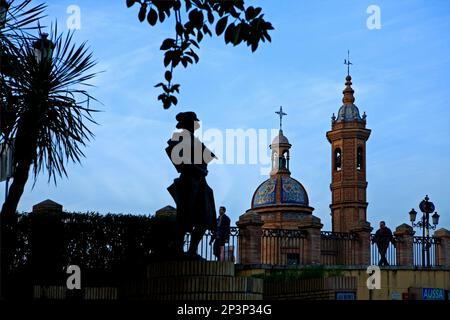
48 106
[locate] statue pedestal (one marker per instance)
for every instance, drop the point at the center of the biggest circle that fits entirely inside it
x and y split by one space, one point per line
195 280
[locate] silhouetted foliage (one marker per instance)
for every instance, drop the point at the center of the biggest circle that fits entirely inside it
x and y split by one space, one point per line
90 240
237 23
44 105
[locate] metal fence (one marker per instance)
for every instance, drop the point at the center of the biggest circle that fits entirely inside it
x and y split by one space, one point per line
337 248
283 247
206 248
287 247
391 253
424 251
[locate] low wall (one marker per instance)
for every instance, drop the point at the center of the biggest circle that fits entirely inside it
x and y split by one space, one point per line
309 289
395 282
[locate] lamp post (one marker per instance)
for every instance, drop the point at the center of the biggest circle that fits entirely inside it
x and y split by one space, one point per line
426 207
43 48
4 6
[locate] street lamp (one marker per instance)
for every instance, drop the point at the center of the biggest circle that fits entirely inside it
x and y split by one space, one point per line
412 215
4 6
43 48
426 207
435 219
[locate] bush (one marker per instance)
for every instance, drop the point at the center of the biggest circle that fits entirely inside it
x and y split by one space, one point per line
307 272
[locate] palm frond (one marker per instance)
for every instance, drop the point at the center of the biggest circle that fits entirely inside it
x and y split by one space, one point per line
55 103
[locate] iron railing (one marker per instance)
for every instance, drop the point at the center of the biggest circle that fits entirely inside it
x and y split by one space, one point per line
206 250
338 248
283 247
391 253
424 251
287 247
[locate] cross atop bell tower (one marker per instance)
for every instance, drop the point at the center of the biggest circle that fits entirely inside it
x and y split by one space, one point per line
280 150
281 114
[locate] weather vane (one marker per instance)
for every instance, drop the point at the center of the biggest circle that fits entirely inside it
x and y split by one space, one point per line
281 114
347 62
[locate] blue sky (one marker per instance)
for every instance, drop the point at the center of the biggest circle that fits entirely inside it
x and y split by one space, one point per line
400 75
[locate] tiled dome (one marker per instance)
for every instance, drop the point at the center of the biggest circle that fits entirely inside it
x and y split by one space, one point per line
349 112
280 190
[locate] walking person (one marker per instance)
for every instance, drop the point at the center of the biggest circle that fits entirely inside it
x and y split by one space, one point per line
382 238
221 235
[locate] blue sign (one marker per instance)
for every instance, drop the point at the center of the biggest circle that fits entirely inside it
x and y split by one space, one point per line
396 296
433 294
345 295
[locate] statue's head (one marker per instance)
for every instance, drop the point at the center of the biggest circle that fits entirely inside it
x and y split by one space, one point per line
188 121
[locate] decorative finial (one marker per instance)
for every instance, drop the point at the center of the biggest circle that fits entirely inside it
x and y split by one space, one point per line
347 62
281 114
348 91
333 118
364 116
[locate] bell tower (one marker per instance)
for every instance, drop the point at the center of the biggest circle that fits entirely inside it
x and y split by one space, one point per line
280 150
348 186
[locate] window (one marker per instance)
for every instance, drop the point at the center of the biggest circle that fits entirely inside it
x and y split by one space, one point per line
274 160
337 159
359 158
293 259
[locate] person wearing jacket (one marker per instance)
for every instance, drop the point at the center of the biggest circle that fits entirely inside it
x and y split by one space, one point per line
382 238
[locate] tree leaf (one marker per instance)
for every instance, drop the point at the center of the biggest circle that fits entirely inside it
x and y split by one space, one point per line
176 87
167 103
167 44
236 35
152 17
199 36
179 28
193 55
221 24
142 12
196 17
195 43
206 30
174 100
254 46
168 75
257 11
177 5
167 58
161 14
130 3
210 17
249 13
188 5
229 33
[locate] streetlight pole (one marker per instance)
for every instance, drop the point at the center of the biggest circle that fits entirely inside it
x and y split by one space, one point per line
426 207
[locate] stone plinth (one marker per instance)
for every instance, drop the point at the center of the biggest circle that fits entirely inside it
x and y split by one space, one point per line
362 251
250 232
404 235
443 249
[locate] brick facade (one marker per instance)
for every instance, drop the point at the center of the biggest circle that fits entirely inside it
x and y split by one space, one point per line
443 249
348 186
405 237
